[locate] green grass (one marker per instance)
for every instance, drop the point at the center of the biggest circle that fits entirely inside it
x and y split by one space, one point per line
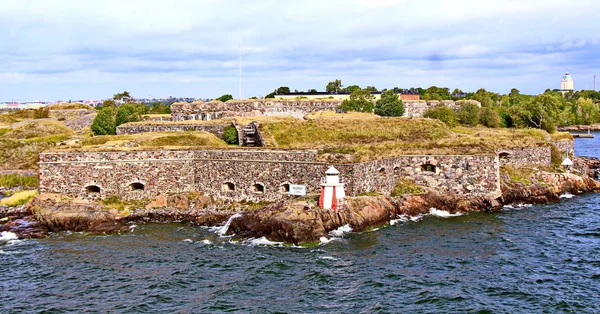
521 175
192 139
4 131
40 128
20 155
69 106
49 139
15 180
19 198
406 187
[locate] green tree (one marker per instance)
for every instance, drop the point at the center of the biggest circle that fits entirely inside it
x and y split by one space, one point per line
352 88
360 100
442 113
108 103
389 104
271 95
334 86
541 112
159 108
371 88
127 113
122 97
468 114
282 90
489 117
104 123
225 97
230 135
312 90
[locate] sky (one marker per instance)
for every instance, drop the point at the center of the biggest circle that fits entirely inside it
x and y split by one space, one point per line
64 49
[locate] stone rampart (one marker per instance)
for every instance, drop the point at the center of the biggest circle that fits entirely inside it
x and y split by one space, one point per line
564 146
216 129
252 174
461 175
416 109
526 156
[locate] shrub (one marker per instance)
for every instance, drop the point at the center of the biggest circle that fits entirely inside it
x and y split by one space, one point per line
105 123
4 131
468 114
442 113
230 135
15 180
360 100
225 98
19 198
41 113
128 113
556 156
489 117
389 105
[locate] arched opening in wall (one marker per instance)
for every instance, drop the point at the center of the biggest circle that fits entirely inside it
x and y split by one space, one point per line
258 188
228 187
92 189
284 188
428 167
504 156
137 186
396 170
382 171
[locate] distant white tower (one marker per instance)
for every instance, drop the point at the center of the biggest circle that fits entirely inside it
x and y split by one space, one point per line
332 190
566 84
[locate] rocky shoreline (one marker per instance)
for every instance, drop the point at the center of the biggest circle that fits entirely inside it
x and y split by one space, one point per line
579 128
285 221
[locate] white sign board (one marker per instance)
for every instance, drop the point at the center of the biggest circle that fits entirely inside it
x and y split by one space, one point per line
297 189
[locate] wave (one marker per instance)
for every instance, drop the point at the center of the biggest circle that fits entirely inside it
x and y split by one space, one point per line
6 236
443 214
262 241
339 232
566 195
223 230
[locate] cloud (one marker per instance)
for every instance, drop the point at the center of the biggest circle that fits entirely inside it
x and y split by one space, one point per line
191 48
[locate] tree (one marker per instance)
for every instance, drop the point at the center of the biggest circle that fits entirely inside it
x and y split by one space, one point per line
360 100
104 123
159 108
127 113
225 97
282 90
352 88
334 86
468 114
230 135
271 95
312 91
442 113
541 112
122 97
389 105
371 88
108 103
489 117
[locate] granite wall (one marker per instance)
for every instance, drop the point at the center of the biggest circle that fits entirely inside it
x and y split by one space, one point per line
526 156
564 146
216 129
251 174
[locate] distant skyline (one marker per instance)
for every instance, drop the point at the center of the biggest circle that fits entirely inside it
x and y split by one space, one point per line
92 49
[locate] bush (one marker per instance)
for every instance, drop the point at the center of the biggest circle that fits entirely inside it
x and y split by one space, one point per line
225 98
360 101
128 113
15 180
442 113
489 117
389 105
105 122
230 135
468 114
41 113
406 187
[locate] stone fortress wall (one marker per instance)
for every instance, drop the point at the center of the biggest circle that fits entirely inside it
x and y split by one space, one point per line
252 174
216 129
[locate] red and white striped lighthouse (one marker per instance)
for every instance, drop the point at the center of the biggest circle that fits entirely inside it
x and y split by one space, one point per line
332 190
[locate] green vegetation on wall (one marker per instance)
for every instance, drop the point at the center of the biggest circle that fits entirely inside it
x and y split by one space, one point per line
230 135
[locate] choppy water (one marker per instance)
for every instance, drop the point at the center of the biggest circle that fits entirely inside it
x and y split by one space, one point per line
523 260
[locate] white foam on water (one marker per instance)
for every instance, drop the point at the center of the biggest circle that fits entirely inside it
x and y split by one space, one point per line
416 218
341 230
442 213
262 241
132 226
207 241
330 258
325 240
188 240
6 236
223 230
400 219
566 195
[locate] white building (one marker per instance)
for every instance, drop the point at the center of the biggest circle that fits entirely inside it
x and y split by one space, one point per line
332 190
566 84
